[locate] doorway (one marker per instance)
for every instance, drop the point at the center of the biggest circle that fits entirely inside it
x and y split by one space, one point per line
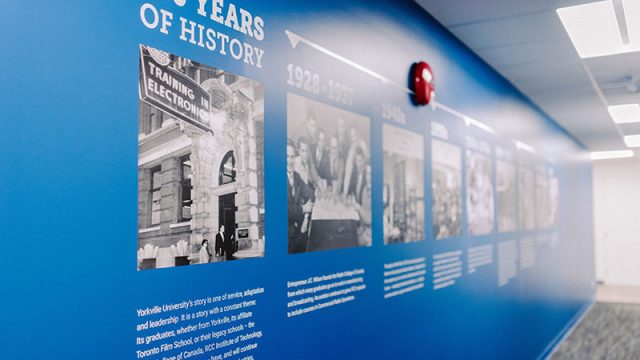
227 212
227 202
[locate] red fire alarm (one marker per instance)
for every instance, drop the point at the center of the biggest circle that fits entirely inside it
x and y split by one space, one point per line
423 83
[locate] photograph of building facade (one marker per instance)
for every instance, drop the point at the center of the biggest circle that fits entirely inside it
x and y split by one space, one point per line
200 163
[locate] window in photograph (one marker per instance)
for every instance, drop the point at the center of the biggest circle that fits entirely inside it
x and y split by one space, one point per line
230 79
155 120
155 196
185 189
228 169
153 117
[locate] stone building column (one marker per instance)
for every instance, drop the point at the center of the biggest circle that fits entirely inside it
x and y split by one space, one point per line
203 158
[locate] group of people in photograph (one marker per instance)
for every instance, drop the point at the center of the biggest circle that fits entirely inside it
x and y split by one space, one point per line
326 167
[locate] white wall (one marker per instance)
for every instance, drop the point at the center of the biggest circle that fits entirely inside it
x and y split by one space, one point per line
616 189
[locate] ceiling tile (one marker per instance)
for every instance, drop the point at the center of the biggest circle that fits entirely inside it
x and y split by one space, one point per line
490 33
457 12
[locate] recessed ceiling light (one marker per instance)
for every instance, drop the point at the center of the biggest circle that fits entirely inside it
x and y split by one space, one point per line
624 114
594 30
617 154
632 140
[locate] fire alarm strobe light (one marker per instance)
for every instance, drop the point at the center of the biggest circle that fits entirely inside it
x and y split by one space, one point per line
423 84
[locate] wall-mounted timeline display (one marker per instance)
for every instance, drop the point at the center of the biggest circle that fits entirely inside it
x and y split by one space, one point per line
172 138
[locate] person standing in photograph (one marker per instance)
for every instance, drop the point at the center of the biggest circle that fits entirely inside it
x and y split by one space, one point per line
204 254
229 248
321 158
391 233
312 131
355 180
364 211
353 136
227 243
300 199
304 164
361 178
336 166
343 141
220 244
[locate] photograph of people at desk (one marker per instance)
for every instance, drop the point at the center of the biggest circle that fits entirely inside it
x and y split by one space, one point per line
329 177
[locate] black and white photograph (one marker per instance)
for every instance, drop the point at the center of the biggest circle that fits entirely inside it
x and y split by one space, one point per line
526 206
403 187
329 177
480 199
446 186
200 163
506 195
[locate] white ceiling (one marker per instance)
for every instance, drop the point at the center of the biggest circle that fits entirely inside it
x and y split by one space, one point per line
525 41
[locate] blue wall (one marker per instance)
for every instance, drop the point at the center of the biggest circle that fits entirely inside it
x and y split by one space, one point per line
69 75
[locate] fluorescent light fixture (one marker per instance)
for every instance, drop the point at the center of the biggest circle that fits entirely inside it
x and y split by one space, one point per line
480 125
594 30
632 17
606 155
632 140
625 114
522 146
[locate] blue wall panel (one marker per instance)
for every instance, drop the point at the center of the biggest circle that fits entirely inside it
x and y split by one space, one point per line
69 75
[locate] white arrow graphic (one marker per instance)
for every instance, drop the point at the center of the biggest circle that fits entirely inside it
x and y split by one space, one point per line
296 39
